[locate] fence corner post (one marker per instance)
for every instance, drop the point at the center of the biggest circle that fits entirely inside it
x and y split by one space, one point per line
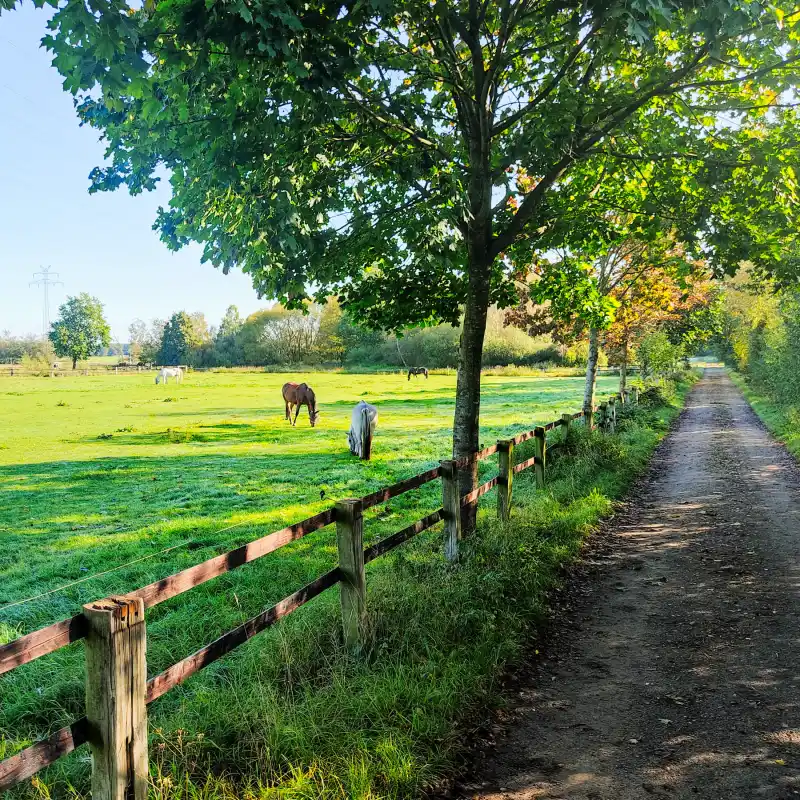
451 505
366 445
540 452
505 457
353 586
116 685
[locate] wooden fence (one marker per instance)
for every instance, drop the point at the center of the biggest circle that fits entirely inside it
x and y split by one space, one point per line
113 629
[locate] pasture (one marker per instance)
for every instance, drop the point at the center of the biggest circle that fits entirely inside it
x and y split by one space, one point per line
111 482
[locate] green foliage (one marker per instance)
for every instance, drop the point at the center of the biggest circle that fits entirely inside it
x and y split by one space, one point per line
178 340
355 149
80 330
658 357
14 348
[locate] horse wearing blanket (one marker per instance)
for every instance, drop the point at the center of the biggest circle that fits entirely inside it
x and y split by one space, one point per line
176 373
363 422
300 394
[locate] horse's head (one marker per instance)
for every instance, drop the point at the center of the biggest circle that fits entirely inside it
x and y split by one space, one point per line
314 417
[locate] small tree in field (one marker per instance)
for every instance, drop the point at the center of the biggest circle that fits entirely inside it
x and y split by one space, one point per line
80 330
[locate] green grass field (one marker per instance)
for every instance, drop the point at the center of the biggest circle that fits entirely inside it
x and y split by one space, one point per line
115 482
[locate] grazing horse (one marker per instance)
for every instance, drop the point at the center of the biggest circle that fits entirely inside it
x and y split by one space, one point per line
165 373
363 422
417 371
300 394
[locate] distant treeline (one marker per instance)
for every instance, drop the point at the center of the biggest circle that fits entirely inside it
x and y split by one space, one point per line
326 336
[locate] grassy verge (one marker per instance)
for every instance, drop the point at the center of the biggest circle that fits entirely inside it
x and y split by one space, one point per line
291 716
782 421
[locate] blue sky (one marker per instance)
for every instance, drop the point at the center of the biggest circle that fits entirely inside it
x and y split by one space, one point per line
102 244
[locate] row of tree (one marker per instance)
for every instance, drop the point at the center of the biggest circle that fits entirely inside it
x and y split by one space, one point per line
324 334
672 300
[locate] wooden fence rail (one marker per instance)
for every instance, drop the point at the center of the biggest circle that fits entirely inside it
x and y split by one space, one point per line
114 628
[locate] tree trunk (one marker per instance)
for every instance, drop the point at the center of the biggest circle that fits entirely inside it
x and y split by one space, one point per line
466 422
591 370
75 362
623 369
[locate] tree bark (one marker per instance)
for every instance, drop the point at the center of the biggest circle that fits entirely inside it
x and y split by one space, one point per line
623 369
74 363
591 370
466 422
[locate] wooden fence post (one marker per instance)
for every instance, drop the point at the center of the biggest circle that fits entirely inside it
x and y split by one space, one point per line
505 455
353 586
451 504
566 422
366 445
635 393
540 451
603 414
116 683
612 414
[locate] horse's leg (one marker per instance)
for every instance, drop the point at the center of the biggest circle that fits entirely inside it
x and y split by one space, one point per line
296 414
288 413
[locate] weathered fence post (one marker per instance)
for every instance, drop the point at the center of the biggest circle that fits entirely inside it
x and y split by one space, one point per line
116 683
451 505
366 446
566 422
540 451
612 414
353 587
635 393
505 456
603 416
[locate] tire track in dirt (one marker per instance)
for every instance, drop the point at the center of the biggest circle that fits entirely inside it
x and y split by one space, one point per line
678 673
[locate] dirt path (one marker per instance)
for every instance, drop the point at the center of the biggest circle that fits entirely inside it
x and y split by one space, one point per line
678 674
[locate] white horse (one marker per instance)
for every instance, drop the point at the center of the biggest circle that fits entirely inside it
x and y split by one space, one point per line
363 422
166 373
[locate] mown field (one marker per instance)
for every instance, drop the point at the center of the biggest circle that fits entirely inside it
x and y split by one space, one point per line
111 482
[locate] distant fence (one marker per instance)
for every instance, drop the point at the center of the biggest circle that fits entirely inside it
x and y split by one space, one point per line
18 370
117 689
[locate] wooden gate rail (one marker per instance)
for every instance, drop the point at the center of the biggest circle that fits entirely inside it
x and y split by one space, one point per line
178 673
54 637
382 495
29 761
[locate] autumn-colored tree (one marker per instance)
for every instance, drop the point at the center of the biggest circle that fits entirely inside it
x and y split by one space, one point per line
658 299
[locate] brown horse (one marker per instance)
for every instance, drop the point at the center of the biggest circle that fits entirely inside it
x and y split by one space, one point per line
300 394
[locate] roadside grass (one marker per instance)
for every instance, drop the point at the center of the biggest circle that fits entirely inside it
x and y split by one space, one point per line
289 715
782 421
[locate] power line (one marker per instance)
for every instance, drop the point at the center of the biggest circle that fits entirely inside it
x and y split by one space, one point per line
45 279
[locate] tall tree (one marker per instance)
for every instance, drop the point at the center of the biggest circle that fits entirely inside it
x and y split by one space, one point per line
178 340
402 154
81 329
